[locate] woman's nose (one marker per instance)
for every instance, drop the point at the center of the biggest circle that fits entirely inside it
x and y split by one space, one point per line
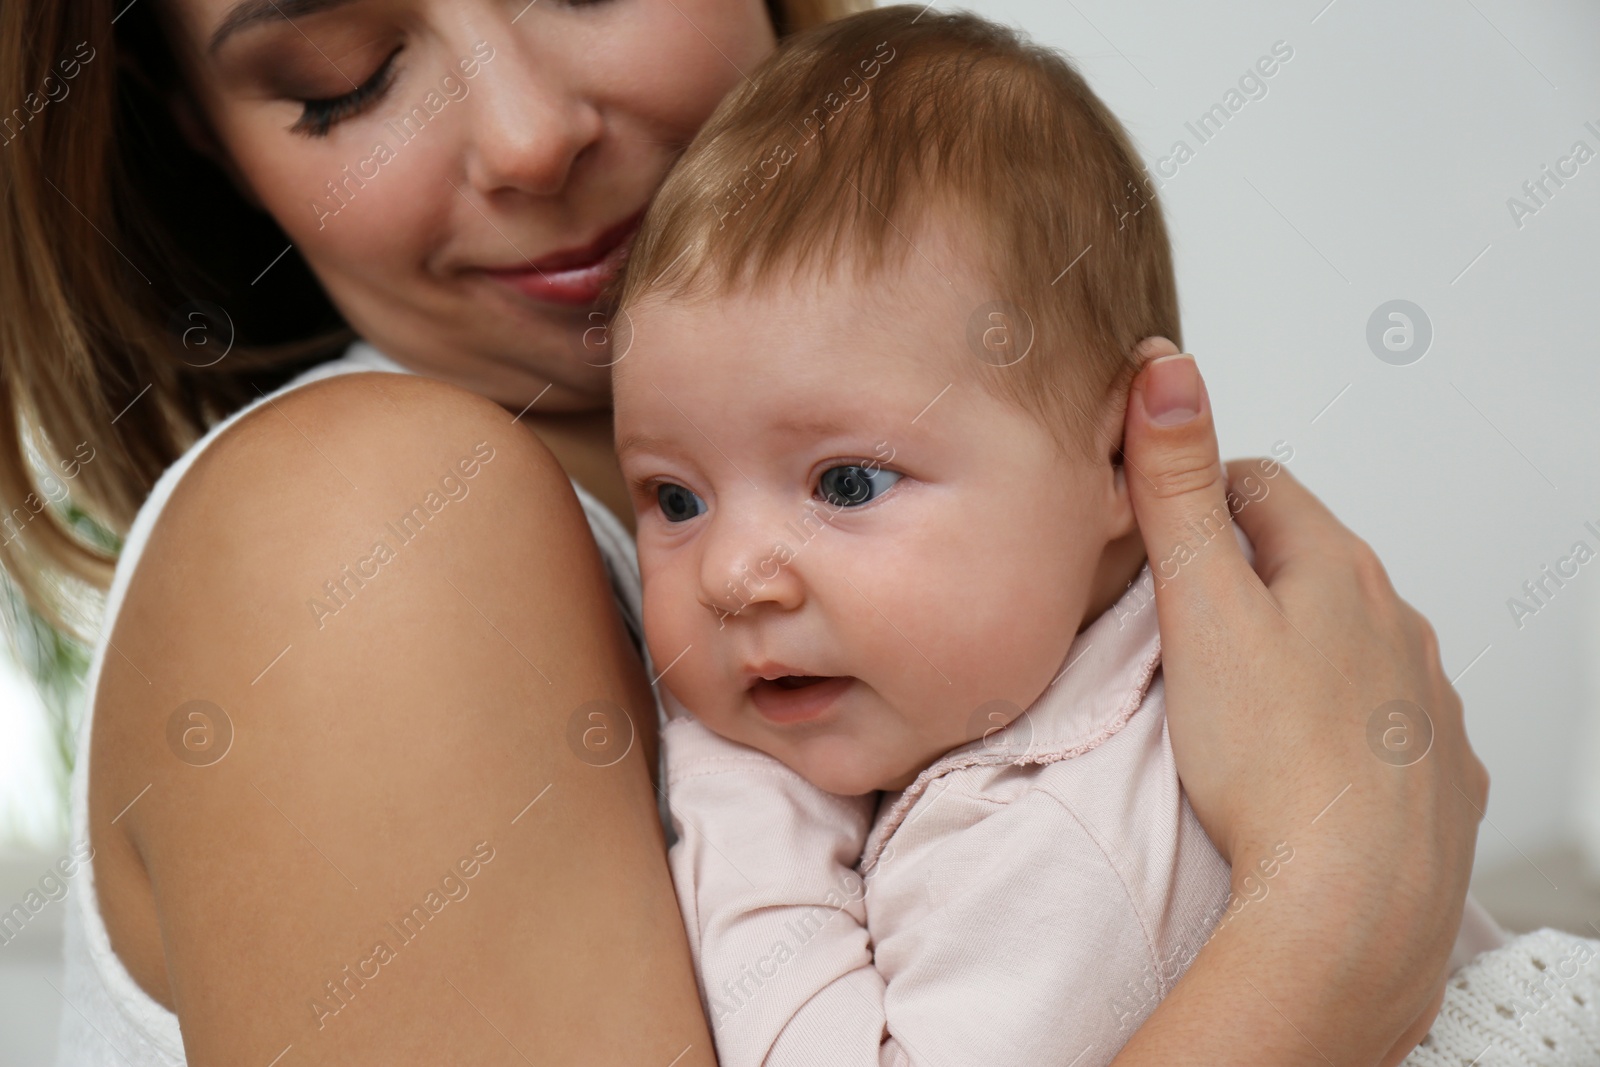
529 119
746 560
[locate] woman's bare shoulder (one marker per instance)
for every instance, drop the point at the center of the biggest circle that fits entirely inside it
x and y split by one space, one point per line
358 434
345 663
334 516
354 489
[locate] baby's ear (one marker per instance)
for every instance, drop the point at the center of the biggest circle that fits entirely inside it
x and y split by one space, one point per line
1120 520
1109 460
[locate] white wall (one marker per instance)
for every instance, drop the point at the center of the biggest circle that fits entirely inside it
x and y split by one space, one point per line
30 807
1587 810
1378 166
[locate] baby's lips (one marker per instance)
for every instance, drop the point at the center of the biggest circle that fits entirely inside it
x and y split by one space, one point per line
768 670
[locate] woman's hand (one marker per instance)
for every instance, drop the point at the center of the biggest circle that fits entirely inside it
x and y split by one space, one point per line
1307 705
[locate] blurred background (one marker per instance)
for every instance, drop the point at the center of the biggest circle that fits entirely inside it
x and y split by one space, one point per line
1384 248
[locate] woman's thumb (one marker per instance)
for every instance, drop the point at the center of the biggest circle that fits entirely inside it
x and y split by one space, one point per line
1177 482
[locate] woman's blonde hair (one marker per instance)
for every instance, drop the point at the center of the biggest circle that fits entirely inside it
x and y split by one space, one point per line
128 263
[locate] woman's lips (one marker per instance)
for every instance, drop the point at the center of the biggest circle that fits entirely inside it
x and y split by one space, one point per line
783 705
574 277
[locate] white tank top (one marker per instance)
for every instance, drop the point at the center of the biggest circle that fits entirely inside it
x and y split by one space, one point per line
109 1021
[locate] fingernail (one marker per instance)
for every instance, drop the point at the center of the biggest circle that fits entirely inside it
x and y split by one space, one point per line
1150 345
1172 390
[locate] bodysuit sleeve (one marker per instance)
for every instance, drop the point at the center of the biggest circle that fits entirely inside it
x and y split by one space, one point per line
764 868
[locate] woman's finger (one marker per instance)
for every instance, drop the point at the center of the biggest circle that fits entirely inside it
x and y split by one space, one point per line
1178 487
1285 522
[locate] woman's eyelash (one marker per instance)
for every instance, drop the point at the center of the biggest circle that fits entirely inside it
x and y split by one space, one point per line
319 116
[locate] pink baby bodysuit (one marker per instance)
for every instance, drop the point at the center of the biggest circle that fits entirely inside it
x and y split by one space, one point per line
1026 901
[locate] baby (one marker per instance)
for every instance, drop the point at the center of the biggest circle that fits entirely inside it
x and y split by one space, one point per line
872 350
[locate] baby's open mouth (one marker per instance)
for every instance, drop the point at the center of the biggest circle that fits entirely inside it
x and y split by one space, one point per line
798 681
792 698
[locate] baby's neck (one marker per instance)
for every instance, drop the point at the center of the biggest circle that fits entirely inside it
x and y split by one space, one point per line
1119 565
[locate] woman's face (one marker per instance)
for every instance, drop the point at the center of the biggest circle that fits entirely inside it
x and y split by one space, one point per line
456 171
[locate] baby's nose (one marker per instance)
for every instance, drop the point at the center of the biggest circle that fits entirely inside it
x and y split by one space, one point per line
748 563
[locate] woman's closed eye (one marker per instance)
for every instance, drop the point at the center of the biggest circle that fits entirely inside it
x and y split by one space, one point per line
854 484
320 115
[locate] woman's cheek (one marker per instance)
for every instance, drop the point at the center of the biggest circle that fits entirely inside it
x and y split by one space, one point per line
686 58
359 184
372 203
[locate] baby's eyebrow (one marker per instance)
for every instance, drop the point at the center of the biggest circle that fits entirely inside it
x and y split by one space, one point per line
639 441
814 425
800 426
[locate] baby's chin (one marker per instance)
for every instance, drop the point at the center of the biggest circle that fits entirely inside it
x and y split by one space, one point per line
835 758
849 773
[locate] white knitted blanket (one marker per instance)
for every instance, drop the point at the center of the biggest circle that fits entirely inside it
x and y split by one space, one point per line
1534 1000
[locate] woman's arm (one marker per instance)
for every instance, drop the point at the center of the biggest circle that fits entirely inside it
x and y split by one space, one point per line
404 857
1271 683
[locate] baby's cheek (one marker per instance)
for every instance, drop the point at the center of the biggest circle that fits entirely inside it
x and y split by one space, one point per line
683 641
663 630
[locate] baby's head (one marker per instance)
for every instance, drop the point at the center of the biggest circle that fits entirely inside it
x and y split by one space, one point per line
876 333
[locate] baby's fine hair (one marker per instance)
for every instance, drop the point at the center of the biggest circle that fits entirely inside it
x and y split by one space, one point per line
856 130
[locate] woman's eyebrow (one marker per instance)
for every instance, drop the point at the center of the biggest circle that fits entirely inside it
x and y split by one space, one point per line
249 13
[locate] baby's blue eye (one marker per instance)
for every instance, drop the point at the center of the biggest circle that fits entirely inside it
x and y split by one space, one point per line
677 503
845 487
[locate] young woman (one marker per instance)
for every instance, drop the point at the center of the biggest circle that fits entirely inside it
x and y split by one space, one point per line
368 768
